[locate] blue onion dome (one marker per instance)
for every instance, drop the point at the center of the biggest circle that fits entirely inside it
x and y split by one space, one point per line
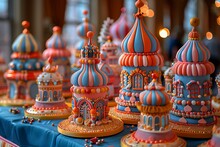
50 74
85 26
89 74
25 42
154 94
140 39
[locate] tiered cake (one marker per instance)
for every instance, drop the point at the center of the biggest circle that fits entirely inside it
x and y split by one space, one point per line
139 59
120 28
50 103
56 49
90 111
111 49
82 29
192 115
168 78
153 127
104 67
3 85
23 70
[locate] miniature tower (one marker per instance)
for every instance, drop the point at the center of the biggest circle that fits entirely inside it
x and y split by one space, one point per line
50 103
23 70
192 115
82 29
120 28
111 50
168 77
139 59
56 49
90 111
3 84
104 67
153 127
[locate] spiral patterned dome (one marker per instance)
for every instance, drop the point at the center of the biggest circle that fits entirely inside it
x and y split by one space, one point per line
120 27
154 94
25 42
193 56
85 26
56 46
139 39
89 74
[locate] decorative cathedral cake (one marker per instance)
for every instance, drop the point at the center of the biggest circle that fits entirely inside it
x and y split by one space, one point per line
90 111
111 49
23 70
82 29
104 67
153 128
120 28
49 102
139 59
192 115
3 84
56 49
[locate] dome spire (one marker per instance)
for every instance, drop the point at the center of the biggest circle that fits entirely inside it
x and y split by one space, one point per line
26 25
194 35
139 4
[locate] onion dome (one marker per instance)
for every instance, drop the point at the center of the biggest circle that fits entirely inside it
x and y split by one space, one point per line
89 73
85 26
109 45
56 46
25 42
120 27
154 94
50 74
193 56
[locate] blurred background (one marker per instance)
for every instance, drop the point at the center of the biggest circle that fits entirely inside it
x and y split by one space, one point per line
168 20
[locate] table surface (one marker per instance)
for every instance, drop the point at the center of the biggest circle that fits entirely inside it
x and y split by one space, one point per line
43 134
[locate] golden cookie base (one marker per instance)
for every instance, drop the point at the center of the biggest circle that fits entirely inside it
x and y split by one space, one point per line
192 131
4 101
48 116
82 131
127 140
127 118
112 103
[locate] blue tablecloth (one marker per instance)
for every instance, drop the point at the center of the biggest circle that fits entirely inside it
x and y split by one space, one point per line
43 134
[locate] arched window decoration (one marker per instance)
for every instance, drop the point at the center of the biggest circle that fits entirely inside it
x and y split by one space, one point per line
41 94
99 108
45 96
55 96
178 88
12 90
168 87
124 78
207 88
150 121
193 88
85 107
21 91
137 82
163 121
33 90
157 123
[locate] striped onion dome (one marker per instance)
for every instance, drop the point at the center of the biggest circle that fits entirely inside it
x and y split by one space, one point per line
85 26
56 46
120 28
89 75
154 94
193 56
50 73
25 42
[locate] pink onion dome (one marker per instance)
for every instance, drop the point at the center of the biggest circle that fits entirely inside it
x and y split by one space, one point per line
120 27
85 26
109 45
89 74
25 42
139 39
193 56
154 94
56 46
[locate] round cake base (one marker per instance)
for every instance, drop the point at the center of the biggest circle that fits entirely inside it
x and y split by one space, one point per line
82 131
128 141
5 101
63 113
127 118
192 131
112 103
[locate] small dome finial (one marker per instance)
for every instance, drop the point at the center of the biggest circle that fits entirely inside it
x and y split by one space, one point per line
85 12
90 34
56 29
194 21
109 38
139 4
154 76
26 25
123 9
